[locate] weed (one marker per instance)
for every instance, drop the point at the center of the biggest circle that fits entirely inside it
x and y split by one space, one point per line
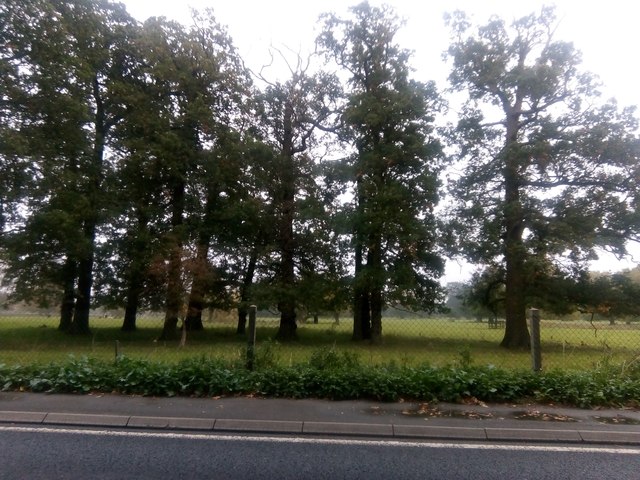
333 358
464 357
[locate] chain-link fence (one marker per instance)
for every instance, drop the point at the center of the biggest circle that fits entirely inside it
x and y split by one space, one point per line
577 342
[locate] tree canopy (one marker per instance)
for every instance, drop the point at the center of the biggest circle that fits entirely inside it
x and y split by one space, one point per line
550 172
143 166
388 119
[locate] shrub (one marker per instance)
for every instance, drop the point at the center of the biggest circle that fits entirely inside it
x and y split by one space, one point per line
331 375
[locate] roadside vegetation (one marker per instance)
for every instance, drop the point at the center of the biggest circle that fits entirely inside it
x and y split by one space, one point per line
144 167
334 375
435 359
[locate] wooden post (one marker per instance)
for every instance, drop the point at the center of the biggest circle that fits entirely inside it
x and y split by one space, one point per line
251 337
536 354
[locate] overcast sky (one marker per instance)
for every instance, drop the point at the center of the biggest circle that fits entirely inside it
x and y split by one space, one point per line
607 34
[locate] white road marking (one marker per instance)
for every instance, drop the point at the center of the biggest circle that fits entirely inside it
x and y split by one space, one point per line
321 441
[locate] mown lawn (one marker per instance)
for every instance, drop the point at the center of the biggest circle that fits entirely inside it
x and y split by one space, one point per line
573 344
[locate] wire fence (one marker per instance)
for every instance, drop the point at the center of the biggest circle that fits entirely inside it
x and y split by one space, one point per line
577 343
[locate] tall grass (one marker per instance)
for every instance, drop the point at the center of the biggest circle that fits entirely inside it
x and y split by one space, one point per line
576 345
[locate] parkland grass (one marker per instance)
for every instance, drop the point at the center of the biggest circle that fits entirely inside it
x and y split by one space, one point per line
571 345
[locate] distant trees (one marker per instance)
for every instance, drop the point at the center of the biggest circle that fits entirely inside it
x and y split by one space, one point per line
483 295
613 296
548 172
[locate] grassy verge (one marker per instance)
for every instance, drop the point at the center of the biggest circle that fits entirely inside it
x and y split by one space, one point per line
328 374
570 345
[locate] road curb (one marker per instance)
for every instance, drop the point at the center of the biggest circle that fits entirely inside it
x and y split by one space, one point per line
311 428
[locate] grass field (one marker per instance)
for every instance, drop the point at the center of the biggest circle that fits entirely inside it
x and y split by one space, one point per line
436 341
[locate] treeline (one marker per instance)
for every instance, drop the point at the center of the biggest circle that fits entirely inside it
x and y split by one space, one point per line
144 167
593 295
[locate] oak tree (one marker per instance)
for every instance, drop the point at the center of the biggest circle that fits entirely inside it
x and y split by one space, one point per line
549 172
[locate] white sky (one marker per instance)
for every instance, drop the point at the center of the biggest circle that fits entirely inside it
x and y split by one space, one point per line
607 33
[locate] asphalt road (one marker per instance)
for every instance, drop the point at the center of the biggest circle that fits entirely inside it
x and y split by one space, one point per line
76 453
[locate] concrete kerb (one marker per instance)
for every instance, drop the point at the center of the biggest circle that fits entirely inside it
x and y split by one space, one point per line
311 428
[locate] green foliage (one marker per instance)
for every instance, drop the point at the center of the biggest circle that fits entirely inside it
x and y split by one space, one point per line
611 295
327 359
328 375
388 121
465 359
549 171
266 355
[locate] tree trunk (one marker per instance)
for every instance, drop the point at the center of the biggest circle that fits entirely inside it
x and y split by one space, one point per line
361 316
130 315
80 322
131 308
288 326
376 315
245 289
193 319
361 312
173 305
134 289
68 295
173 299
201 272
516 334
376 279
243 312
138 251
286 240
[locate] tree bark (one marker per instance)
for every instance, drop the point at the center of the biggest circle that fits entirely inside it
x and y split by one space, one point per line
130 312
173 302
516 334
286 240
201 271
138 264
288 326
361 312
68 295
361 315
133 298
247 282
375 273
243 312
80 322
